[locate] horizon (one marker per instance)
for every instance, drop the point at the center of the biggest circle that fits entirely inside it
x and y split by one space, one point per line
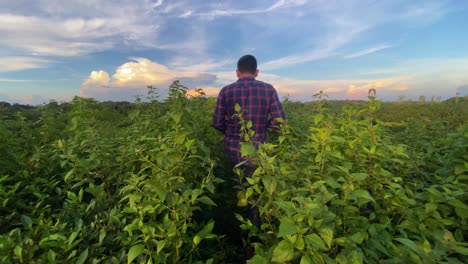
113 50
425 99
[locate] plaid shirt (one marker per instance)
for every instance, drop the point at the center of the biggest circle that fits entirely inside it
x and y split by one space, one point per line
262 106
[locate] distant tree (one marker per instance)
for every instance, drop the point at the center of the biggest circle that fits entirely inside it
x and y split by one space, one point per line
401 98
422 99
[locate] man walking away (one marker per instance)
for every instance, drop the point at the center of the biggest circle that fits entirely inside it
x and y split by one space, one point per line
261 106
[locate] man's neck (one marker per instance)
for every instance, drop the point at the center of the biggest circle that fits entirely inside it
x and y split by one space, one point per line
246 75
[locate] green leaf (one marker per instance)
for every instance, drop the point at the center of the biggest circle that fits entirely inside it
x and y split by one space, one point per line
82 257
247 150
72 238
410 244
461 250
134 252
237 108
359 176
458 204
270 184
26 221
65 179
362 194
160 245
306 260
430 207
355 257
318 118
176 116
315 241
257 259
189 144
283 252
327 235
206 200
287 227
196 240
204 233
462 213
358 237
102 235
19 253
459 169
51 256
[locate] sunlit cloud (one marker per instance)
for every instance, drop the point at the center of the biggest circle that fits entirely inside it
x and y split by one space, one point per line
209 91
132 78
199 42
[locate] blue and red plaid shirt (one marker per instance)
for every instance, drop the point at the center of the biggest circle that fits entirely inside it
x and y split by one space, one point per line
259 99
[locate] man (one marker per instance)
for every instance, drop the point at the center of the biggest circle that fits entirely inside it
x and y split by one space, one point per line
261 106
258 99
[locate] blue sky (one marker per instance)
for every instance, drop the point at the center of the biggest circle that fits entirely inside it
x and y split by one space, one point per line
111 50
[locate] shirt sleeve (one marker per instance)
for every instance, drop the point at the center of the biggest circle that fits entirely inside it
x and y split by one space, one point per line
219 116
276 110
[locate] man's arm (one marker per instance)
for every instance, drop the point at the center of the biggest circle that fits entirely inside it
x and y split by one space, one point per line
276 111
219 116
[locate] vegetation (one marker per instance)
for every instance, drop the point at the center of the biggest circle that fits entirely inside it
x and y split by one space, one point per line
146 182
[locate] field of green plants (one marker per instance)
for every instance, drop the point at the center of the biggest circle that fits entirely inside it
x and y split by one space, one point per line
147 182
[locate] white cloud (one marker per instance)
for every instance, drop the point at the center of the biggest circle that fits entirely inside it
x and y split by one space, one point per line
367 51
20 63
211 14
69 37
132 78
303 90
186 14
158 3
17 80
97 78
341 23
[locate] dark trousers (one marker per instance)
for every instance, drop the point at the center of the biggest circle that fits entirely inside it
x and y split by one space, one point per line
252 213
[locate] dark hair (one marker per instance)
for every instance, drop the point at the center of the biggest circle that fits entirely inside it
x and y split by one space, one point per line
247 63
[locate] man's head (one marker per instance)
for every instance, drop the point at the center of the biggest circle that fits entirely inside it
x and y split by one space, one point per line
247 66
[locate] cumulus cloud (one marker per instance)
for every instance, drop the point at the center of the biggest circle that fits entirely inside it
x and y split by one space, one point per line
97 78
131 79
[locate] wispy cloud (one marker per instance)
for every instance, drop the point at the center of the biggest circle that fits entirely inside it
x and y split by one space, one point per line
233 12
8 64
18 80
48 36
345 22
368 51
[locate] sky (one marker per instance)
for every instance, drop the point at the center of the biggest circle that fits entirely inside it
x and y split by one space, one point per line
114 49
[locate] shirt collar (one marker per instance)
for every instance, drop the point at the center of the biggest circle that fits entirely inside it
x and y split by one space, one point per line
246 79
